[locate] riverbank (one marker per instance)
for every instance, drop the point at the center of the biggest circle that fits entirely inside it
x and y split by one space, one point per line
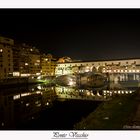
111 115
22 81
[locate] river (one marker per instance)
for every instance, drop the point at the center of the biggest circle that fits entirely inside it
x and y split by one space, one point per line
42 107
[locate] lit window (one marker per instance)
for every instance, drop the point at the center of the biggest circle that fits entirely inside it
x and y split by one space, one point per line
118 70
114 70
38 61
133 70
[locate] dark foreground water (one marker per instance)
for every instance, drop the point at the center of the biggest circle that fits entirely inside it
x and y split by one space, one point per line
39 107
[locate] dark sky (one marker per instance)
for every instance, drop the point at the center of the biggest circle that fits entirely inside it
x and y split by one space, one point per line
85 34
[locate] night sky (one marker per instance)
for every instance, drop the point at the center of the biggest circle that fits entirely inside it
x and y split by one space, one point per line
82 34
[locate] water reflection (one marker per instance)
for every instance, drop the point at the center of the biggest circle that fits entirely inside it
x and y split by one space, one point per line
22 104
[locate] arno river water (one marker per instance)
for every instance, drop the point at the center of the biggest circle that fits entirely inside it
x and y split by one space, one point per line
42 107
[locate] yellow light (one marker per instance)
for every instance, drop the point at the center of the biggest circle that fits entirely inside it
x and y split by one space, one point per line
130 91
47 103
26 64
130 70
39 87
1 50
126 92
114 70
98 94
16 73
27 104
138 71
16 97
118 70
38 61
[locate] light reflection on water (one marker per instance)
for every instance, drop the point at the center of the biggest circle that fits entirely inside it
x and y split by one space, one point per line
22 104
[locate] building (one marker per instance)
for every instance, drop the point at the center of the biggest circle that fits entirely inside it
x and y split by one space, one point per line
6 57
127 69
26 60
48 65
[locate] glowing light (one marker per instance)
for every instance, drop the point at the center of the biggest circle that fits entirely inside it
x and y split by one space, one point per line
130 70
88 93
119 91
26 64
126 92
25 94
1 50
121 70
133 70
104 91
27 104
47 103
71 83
130 91
16 73
98 94
16 97
24 75
2 124
38 73
38 105
126 71
138 71
38 61
39 87
107 91
39 77
38 92
115 71
122 92
106 118
92 94
118 70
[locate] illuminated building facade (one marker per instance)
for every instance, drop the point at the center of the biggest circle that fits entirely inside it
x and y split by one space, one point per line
127 69
26 60
6 57
48 65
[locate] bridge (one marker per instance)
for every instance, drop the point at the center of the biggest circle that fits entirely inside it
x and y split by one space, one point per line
116 70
